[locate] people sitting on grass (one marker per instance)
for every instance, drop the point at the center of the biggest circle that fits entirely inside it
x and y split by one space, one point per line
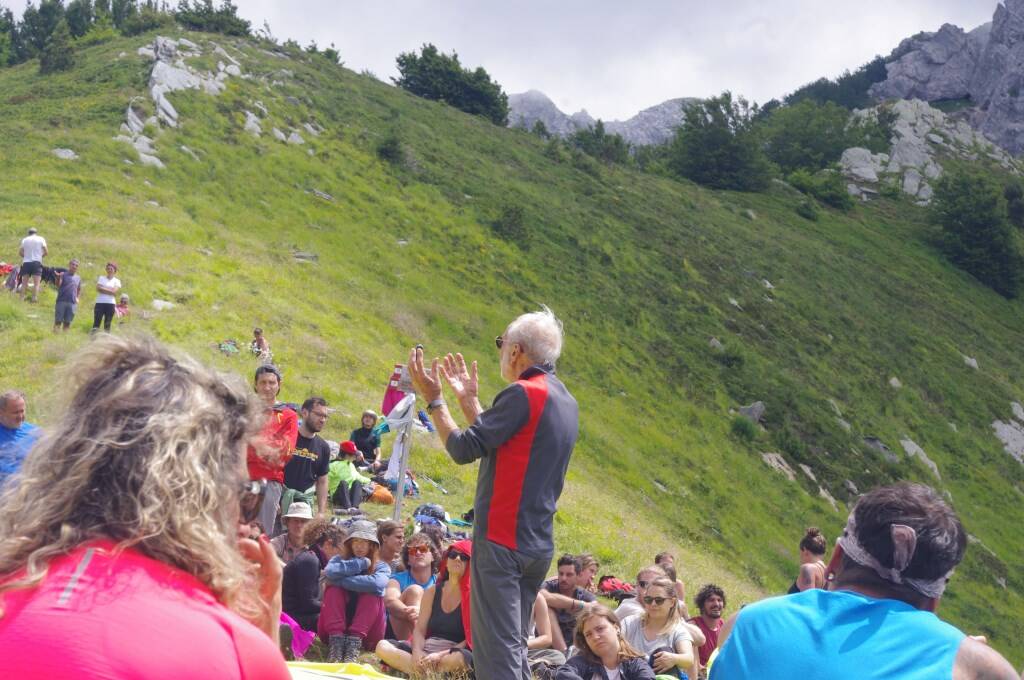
300 586
667 561
812 562
603 651
660 632
404 591
122 310
260 347
565 600
441 639
710 603
120 549
345 482
290 543
391 536
367 441
540 656
634 605
352 609
589 567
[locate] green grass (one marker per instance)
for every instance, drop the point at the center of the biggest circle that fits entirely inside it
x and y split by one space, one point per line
641 269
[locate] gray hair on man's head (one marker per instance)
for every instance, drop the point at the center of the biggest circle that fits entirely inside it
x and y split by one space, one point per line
8 396
539 334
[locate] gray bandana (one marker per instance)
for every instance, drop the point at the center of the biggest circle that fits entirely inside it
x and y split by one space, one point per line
904 542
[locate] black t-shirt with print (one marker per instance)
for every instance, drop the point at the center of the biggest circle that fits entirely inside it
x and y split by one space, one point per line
309 460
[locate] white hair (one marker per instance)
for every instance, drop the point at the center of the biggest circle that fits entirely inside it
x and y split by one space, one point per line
539 334
10 395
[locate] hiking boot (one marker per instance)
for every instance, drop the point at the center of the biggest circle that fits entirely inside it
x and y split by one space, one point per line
353 645
336 648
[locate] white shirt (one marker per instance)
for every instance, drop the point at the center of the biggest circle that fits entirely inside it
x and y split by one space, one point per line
615 674
111 284
32 247
633 632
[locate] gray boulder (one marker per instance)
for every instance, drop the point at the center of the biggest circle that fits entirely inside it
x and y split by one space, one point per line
754 412
295 138
278 135
151 161
861 165
878 445
913 449
65 154
252 124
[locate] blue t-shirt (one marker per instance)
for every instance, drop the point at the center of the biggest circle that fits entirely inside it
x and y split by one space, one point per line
405 580
14 446
840 635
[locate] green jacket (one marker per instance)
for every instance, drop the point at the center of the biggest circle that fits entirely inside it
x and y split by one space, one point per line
343 471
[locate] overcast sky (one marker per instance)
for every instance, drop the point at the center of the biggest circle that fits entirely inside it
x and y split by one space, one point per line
614 58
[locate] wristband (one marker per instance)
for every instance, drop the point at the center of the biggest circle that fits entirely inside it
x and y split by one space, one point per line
436 404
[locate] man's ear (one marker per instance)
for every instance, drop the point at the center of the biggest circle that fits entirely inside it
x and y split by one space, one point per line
834 568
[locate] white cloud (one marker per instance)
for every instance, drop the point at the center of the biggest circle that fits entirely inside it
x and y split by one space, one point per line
614 58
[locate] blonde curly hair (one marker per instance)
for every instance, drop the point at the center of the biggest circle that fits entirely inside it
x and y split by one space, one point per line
148 453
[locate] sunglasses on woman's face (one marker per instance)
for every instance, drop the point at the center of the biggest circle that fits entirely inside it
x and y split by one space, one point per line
655 600
250 499
418 550
456 555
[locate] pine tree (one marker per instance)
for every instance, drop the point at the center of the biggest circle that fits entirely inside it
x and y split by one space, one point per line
58 55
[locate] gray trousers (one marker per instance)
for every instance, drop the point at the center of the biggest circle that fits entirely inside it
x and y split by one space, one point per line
505 585
271 503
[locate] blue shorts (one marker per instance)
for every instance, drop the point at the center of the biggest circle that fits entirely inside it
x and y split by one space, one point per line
64 313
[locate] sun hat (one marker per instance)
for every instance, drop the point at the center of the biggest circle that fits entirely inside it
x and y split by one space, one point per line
299 510
349 448
364 529
370 412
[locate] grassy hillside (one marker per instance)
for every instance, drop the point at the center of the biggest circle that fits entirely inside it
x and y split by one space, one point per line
643 270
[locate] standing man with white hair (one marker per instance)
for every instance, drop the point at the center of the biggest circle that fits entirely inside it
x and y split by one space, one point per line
32 251
523 442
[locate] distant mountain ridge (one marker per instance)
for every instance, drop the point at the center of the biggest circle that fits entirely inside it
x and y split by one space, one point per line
981 67
654 125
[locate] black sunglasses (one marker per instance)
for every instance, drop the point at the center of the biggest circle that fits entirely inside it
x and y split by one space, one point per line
499 341
250 499
456 555
655 600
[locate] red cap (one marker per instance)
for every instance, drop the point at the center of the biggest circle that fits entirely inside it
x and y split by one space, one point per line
349 447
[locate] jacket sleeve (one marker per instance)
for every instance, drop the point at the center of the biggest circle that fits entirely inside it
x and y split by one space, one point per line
495 426
374 583
338 569
573 669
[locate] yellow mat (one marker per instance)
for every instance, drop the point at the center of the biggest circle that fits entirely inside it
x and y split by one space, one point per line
305 670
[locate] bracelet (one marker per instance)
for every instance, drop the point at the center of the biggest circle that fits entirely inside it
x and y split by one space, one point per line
435 404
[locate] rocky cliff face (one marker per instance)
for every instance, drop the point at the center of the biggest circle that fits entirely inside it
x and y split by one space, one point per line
984 66
655 125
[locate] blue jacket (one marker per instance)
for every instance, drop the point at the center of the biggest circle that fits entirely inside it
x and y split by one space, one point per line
351 575
578 668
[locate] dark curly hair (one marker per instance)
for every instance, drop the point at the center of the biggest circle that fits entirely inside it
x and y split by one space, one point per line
705 592
421 538
320 531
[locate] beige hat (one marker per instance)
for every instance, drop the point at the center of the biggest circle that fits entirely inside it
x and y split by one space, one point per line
299 510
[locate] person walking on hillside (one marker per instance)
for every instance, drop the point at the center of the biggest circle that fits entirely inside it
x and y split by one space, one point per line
69 290
524 442
16 434
33 250
106 287
266 459
310 462
876 617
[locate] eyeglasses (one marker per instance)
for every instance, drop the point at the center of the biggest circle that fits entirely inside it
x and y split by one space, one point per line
456 555
418 549
250 499
499 341
655 600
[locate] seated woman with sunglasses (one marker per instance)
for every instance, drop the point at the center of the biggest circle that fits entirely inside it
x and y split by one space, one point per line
352 612
120 548
405 589
441 641
602 651
660 633
300 587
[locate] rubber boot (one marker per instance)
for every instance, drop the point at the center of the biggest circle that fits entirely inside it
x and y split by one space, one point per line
353 644
336 648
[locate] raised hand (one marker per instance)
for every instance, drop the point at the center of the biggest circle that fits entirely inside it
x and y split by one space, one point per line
463 382
427 385
265 571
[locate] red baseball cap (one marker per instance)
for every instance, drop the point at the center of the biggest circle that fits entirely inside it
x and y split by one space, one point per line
349 447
